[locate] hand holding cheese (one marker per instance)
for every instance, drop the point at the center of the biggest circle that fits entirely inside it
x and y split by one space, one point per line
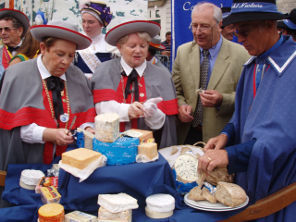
154 117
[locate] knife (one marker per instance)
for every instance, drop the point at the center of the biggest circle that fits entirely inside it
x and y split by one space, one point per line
72 123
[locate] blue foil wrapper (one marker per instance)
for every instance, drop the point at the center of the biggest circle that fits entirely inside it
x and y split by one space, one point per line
79 136
184 188
122 151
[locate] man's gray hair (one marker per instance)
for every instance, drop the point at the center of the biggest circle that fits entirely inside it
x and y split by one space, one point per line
217 12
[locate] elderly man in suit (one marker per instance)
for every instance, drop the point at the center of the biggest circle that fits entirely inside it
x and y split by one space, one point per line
205 74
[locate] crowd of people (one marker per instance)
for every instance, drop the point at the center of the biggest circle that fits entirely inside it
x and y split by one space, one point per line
236 97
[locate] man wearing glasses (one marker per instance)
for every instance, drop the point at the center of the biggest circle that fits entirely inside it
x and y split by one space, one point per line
13 27
205 74
259 143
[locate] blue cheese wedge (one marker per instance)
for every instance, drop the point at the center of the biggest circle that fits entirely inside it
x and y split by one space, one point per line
186 168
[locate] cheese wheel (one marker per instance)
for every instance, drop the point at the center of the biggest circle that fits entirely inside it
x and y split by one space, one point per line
52 212
30 178
107 127
158 215
80 158
186 168
160 203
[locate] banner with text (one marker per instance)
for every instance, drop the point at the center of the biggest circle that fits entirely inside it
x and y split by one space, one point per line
181 19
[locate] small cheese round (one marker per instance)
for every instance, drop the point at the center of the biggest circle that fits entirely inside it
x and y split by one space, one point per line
51 212
30 178
158 215
160 203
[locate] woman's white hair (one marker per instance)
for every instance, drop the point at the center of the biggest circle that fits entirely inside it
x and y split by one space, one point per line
142 35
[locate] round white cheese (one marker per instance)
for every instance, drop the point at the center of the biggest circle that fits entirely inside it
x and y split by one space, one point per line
30 178
158 215
160 203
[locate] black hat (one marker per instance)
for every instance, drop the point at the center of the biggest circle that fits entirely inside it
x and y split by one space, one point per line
253 10
20 16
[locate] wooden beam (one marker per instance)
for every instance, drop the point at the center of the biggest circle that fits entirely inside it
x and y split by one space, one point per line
11 4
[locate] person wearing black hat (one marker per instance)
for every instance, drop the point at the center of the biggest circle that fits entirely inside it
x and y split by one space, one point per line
288 26
96 15
205 73
228 31
42 97
259 143
140 92
13 27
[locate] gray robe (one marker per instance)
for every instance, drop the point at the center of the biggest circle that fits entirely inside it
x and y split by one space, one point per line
158 83
21 103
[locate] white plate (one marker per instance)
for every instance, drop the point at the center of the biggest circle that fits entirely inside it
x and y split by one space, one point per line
207 206
171 158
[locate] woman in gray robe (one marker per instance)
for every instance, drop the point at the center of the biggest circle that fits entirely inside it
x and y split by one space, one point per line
141 93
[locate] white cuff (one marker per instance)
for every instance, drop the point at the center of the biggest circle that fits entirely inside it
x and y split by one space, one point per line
113 107
32 133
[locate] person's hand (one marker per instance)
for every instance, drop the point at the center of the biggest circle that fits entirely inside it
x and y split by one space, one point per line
61 137
212 159
210 98
135 110
185 113
217 143
150 106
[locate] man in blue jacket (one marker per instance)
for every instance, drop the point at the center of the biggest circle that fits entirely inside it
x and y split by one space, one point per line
259 142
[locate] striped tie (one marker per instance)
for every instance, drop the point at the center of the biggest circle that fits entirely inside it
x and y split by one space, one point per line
204 67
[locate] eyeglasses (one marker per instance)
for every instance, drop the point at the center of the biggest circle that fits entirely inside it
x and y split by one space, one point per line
201 27
6 29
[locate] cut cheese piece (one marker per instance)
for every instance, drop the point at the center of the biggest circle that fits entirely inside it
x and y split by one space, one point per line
186 168
143 135
78 216
51 212
88 139
105 215
160 202
148 149
80 158
107 127
116 203
230 194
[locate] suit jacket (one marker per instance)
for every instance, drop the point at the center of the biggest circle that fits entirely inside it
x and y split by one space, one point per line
224 78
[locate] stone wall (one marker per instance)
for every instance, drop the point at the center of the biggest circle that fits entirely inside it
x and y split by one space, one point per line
286 6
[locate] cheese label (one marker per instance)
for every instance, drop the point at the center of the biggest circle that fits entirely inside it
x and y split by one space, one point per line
133 133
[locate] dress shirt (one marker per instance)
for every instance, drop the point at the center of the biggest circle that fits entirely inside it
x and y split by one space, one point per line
214 51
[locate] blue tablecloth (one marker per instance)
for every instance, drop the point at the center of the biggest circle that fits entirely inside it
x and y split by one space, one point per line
138 180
